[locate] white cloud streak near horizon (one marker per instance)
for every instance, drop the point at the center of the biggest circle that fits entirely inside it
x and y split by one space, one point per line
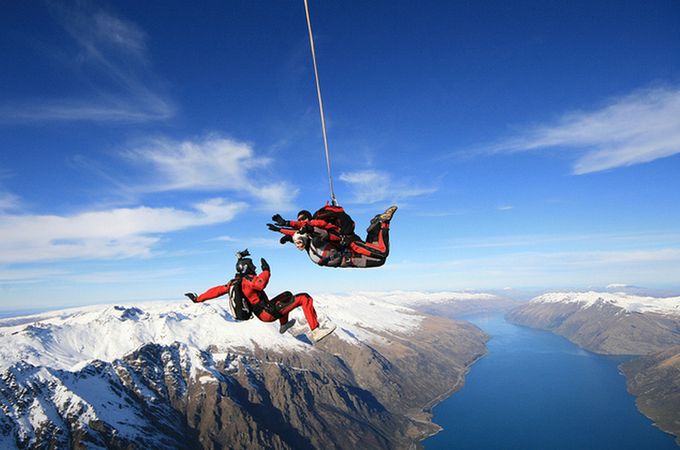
372 186
116 233
639 239
634 129
112 55
252 242
26 276
553 268
211 164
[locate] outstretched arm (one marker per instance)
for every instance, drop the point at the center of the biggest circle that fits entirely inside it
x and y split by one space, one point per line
297 224
210 294
317 223
286 231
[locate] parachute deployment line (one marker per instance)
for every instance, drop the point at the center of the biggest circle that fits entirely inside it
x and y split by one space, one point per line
318 92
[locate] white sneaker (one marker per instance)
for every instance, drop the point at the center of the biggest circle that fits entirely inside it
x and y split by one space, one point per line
319 333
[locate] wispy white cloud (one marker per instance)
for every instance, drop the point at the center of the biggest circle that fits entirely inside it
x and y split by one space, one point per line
99 109
212 164
552 268
126 277
53 275
253 242
34 275
637 128
587 240
619 286
111 55
372 186
8 201
116 233
570 260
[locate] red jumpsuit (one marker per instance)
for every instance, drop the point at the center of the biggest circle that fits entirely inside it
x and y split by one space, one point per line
370 253
267 310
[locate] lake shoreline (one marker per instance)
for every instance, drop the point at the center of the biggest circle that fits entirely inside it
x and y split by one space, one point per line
656 363
460 384
535 380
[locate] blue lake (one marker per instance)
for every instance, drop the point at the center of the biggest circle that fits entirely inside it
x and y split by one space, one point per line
536 390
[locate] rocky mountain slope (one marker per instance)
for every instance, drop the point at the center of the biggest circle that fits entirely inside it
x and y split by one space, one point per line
615 324
179 375
655 381
621 324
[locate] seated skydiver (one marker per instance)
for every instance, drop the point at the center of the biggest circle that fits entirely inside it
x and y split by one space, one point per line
325 245
253 285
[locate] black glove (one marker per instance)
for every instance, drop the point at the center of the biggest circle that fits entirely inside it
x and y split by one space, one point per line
273 227
285 239
280 220
192 296
264 265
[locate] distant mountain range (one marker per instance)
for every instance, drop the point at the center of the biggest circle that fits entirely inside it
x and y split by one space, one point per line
182 375
621 324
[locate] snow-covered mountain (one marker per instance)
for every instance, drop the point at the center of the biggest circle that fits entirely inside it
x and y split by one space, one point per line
610 323
627 302
180 375
67 339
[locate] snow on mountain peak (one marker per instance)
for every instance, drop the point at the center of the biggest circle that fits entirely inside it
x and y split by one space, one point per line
71 338
66 339
628 302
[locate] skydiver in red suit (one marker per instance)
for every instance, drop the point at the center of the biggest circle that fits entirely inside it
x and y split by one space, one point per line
253 285
328 244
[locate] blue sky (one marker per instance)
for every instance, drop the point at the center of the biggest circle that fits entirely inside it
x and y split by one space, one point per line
529 145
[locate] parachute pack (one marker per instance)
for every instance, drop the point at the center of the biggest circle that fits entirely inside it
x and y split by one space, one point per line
239 307
337 216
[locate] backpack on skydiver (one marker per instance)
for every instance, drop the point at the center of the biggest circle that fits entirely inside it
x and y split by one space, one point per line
337 216
239 306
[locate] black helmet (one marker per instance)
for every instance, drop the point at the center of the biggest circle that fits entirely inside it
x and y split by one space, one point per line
304 215
245 266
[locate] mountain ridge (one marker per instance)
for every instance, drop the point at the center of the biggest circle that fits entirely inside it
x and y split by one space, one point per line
367 385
